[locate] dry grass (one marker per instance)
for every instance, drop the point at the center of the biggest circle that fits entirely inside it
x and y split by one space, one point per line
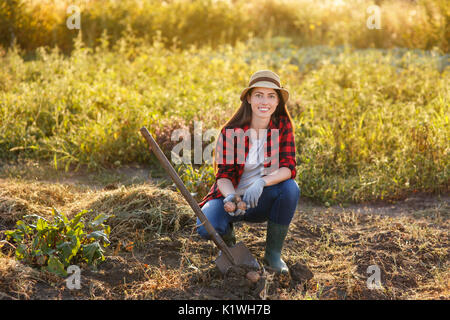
339 247
15 279
156 254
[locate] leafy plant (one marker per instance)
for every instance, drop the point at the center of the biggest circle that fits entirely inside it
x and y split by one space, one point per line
197 180
54 245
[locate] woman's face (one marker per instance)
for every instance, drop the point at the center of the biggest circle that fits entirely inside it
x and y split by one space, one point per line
264 102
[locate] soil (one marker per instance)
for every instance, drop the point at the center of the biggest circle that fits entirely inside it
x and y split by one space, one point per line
328 251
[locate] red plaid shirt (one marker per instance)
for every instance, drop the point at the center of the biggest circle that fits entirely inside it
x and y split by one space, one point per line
279 151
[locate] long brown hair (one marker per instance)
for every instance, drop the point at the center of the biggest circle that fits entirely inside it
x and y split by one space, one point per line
243 116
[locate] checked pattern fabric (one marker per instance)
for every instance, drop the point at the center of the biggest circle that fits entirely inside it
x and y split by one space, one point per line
234 144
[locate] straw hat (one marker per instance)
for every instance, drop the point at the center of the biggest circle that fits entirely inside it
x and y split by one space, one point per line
265 79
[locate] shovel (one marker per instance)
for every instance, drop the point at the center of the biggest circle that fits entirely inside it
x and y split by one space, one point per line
236 255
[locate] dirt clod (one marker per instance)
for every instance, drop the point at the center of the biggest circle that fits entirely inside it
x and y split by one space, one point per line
237 283
300 272
253 276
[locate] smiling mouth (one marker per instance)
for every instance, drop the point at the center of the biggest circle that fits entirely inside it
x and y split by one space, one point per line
263 109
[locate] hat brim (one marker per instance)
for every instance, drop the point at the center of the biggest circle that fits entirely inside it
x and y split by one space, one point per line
266 84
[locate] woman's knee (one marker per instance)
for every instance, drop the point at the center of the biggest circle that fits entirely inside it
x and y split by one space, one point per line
286 203
290 189
201 230
214 212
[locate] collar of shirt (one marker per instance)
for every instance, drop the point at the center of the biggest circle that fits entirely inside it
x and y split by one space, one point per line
248 144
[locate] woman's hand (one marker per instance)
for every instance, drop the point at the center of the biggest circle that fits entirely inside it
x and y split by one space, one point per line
252 194
233 209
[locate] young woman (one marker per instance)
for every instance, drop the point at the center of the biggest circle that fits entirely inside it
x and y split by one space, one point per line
255 160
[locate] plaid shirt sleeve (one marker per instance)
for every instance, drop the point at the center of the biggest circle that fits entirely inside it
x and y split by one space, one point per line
225 170
287 147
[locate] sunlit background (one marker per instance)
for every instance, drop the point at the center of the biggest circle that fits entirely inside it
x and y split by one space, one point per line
404 23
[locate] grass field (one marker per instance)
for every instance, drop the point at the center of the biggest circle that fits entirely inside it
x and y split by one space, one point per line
370 124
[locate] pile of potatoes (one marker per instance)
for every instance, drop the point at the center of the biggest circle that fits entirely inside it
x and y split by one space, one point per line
231 206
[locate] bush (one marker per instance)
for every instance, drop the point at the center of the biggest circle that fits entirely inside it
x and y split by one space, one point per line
54 245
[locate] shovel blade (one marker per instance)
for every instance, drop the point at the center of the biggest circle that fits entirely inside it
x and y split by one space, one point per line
241 255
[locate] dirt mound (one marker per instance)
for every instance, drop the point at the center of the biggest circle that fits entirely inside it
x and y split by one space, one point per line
138 209
236 284
13 209
300 272
19 198
140 212
39 193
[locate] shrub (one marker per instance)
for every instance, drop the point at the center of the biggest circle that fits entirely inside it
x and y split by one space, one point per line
54 245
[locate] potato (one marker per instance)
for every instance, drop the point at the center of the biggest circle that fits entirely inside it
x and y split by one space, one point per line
229 207
242 205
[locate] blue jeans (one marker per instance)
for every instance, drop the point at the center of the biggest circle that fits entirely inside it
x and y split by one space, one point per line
277 204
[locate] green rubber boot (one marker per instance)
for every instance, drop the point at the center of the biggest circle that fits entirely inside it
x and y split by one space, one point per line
230 238
276 234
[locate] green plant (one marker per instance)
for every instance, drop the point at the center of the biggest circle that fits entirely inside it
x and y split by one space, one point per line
370 124
54 245
197 180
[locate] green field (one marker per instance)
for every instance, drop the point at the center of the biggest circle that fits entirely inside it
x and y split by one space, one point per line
371 106
370 123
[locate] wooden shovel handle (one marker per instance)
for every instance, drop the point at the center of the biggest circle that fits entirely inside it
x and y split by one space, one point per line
217 239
